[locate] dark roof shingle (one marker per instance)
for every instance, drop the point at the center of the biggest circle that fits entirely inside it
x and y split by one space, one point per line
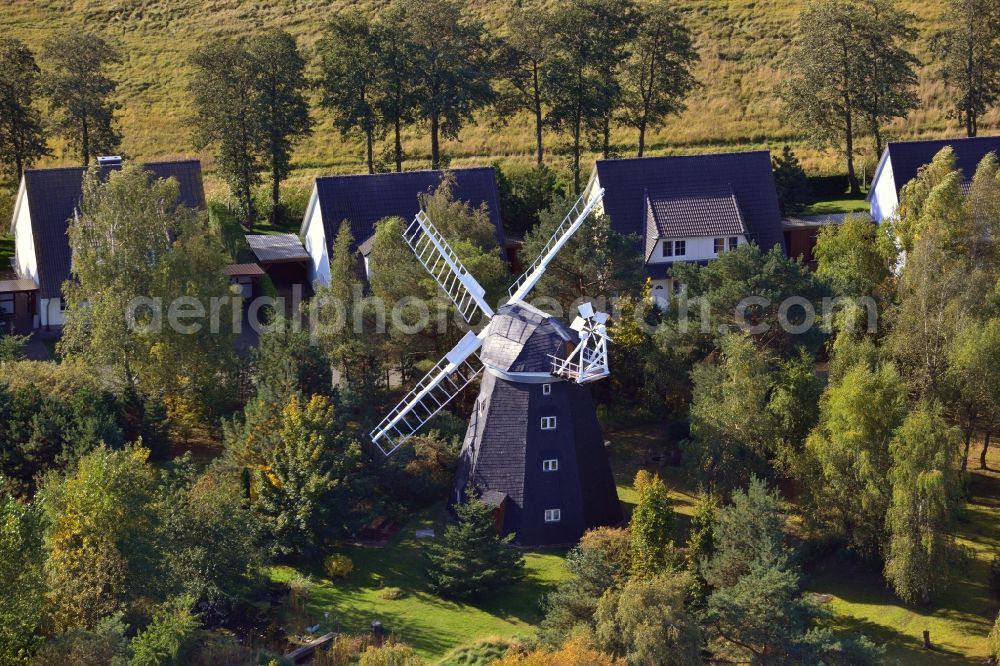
908 156
365 199
54 195
700 182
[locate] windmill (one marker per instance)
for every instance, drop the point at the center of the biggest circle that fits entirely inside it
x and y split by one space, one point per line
533 449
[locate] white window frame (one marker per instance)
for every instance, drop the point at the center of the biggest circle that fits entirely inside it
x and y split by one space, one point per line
546 389
680 248
550 465
733 242
553 515
548 423
719 245
668 248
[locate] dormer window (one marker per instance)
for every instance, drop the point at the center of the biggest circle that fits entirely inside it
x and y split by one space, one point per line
675 248
719 245
733 242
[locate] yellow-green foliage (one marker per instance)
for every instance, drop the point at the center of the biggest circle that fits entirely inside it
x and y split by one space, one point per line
338 566
741 43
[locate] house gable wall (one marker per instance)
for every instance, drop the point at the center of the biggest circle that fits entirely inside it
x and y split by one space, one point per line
883 199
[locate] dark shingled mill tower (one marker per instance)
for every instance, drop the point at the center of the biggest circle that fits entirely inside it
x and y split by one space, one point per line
533 449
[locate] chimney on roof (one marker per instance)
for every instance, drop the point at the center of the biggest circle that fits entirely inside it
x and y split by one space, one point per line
109 160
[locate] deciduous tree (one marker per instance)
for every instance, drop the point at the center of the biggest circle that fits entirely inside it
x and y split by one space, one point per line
968 52
281 104
652 519
133 243
226 116
850 447
452 67
646 622
824 95
81 91
658 75
22 135
524 55
101 538
888 68
303 488
924 479
349 53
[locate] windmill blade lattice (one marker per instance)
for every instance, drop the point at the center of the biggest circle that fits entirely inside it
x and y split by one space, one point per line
445 267
571 223
435 390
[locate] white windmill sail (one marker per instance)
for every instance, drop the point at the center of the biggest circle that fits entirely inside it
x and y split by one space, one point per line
445 267
571 223
435 390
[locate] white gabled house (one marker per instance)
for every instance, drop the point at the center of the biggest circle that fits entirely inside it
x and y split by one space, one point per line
362 200
46 200
901 160
690 208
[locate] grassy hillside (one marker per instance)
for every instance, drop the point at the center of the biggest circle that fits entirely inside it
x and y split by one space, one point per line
742 43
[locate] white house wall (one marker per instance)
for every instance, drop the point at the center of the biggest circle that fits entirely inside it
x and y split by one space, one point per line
50 312
314 238
696 249
884 199
25 258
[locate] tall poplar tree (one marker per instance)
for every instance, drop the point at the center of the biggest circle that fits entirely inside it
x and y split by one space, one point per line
824 94
524 56
81 91
281 104
349 61
452 67
658 75
225 116
968 51
22 136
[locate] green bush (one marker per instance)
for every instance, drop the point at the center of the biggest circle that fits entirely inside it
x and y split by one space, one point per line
392 593
480 653
338 566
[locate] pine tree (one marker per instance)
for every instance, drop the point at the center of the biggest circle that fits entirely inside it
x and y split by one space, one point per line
790 181
471 558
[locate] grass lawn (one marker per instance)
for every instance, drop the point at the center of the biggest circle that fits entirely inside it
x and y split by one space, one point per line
844 204
958 620
6 252
431 625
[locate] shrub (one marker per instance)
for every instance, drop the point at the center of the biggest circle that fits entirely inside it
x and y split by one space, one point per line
389 655
338 566
480 653
392 593
994 640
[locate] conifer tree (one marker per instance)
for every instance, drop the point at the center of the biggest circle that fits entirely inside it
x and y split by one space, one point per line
471 558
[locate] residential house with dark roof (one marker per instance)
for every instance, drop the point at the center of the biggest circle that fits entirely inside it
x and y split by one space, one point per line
901 160
363 200
690 208
46 200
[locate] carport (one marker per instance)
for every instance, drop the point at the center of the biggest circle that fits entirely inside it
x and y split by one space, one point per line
283 258
18 303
